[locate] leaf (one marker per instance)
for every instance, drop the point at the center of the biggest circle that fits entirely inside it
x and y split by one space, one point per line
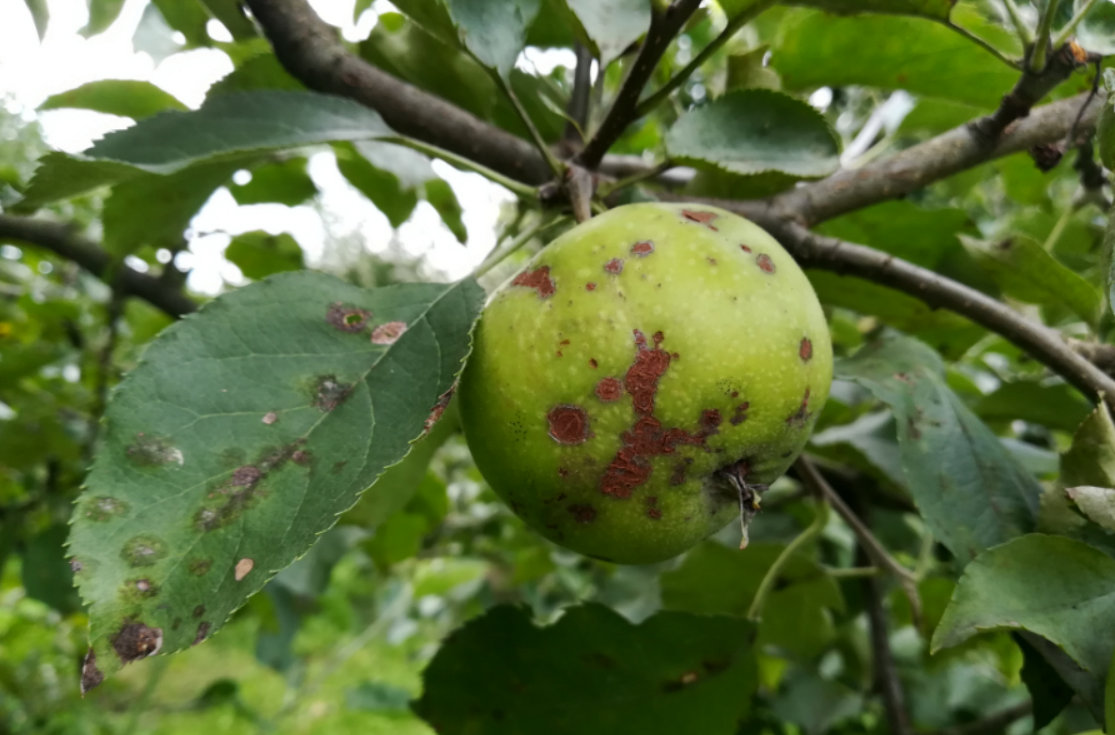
259 254
1024 269
749 70
816 704
935 9
1109 695
590 673
40 14
612 26
969 489
1096 33
1109 246
245 431
1056 406
815 49
442 198
922 235
494 33
1096 503
1054 587
155 210
102 13
263 71
124 97
1049 693
755 130
231 15
188 18
381 187
154 37
62 176
1091 458
284 182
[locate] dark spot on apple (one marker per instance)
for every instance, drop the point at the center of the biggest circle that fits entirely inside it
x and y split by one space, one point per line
330 392
388 332
538 279
654 514
593 363
582 513
614 266
200 567
740 414
765 263
91 676
590 286
642 248
568 424
144 550
745 248
347 318
101 508
153 451
563 472
609 389
805 349
710 421
711 261
704 218
202 632
438 409
136 640
799 418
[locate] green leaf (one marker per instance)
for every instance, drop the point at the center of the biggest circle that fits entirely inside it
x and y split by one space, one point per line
1096 33
102 13
969 489
817 704
188 18
245 431
494 33
40 14
756 130
612 26
1109 695
815 49
239 123
922 235
154 37
749 70
285 182
263 71
590 673
155 210
935 9
1024 270
124 97
1096 503
61 176
441 197
1109 245
231 15
1049 693
259 254
1056 406
432 16
1091 458
1055 587
381 187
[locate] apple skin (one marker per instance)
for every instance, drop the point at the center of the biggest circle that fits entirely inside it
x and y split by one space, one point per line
633 360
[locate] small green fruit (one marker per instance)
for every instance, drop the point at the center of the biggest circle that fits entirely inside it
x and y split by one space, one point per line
643 373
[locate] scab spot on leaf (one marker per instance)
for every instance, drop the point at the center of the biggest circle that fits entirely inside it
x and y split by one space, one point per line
642 248
76 566
243 567
614 266
438 409
102 508
538 279
330 392
143 550
135 640
347 318
153 451
270 417
202 632
200 567
388 332
199 611
91 676
582 513
140 588
765 263
568 424
301 457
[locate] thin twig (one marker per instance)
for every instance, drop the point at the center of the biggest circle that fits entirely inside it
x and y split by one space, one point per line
812 478
532 129
498 255
1041 37
467 164
1025 35
820 518
663 27
577 108
887 681
737 22
1012 63
606 190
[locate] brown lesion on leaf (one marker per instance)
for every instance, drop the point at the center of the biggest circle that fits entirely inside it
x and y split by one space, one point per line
140 588
439 409
330 392
202 632
135 640
91 676
143 550
200 567
388 333
150 450
102 508
243 568
347 318
199 611
229 500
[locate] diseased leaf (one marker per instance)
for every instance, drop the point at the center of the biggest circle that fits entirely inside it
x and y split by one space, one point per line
1097 503
155 210
753 131
242 435
494 33
1051 586
285 182
590 673
972 493
259 254
1024 270
124 97
612 26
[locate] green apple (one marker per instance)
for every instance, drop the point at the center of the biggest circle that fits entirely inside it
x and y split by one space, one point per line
642 376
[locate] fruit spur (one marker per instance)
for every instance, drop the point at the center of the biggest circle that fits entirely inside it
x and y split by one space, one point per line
642 378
